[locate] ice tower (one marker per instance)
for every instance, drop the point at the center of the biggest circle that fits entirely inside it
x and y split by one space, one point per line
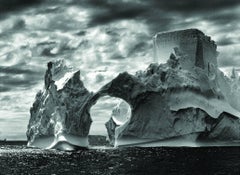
198 49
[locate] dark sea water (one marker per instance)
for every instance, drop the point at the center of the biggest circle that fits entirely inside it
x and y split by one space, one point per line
17 159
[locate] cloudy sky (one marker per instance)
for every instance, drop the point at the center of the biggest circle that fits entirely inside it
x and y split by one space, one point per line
100 37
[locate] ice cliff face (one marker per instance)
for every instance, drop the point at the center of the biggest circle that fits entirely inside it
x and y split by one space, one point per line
166 101
57 113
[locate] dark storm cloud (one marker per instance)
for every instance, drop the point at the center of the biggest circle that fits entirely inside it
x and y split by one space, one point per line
13 78
9 82
159 14
21 82
4 88
225 41
117 12
186 6
223 19
49 10
16 70
12 5
107 11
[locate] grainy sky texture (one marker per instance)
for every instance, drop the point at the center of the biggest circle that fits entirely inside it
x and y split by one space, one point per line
100 37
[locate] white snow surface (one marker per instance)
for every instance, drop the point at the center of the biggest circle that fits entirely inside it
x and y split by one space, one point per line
62 81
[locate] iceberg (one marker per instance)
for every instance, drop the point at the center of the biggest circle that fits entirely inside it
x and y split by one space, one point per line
58 112
187 98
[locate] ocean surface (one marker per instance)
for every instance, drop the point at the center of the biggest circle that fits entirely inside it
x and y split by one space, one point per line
19 159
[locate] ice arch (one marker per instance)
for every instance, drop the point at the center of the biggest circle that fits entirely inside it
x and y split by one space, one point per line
68 106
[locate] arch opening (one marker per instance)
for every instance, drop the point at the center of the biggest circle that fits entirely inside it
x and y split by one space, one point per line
108 114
